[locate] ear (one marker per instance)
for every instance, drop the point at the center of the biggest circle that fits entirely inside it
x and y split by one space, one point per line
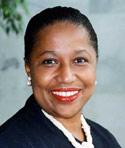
27 69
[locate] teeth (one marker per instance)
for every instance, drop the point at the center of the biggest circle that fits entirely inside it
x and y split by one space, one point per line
65 94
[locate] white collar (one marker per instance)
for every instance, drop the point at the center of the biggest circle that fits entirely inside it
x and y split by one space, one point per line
85 126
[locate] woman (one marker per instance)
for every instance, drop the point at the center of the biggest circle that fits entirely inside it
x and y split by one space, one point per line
61 53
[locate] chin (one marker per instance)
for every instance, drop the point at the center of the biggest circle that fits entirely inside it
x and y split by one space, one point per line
66 113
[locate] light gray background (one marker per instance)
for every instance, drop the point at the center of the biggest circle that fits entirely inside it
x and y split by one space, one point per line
107 106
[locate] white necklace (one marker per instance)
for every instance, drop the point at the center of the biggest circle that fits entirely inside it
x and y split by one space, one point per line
85 126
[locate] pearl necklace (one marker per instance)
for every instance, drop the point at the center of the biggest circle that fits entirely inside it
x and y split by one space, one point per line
85 126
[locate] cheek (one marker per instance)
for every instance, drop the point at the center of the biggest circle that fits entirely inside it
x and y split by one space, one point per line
41 78
88 77
91 77
88 80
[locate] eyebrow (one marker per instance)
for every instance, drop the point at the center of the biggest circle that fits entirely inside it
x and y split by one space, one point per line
54 53
80 51
48 51
83 51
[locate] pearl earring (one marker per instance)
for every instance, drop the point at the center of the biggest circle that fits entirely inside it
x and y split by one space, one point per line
96 82
29 81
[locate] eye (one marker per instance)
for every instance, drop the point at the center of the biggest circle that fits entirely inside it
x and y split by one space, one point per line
49 62
80 60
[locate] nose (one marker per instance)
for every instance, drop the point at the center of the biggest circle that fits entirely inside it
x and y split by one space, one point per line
65 75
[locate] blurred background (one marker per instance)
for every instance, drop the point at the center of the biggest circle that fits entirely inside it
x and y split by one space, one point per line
107 105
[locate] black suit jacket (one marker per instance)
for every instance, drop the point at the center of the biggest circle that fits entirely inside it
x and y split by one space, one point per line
29 128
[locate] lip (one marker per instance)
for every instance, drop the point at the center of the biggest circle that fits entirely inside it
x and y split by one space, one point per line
66 95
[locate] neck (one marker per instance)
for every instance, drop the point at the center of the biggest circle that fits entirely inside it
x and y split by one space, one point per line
70 136
73 125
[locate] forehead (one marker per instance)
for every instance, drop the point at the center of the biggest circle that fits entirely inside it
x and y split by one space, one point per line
63 38
65 32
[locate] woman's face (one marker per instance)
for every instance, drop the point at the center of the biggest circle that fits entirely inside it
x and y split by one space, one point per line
62 69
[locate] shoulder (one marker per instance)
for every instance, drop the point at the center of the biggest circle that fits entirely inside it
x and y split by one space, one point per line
11 130
101 136
28 130
19 121
22 129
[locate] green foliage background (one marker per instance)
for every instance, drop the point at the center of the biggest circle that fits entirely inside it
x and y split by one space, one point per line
11 15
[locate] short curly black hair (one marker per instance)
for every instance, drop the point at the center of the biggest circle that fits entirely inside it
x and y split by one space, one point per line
52 15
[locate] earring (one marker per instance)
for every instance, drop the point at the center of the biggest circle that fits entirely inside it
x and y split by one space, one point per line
96 82
29 81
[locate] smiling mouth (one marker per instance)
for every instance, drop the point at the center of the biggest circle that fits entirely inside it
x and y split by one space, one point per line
66 95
